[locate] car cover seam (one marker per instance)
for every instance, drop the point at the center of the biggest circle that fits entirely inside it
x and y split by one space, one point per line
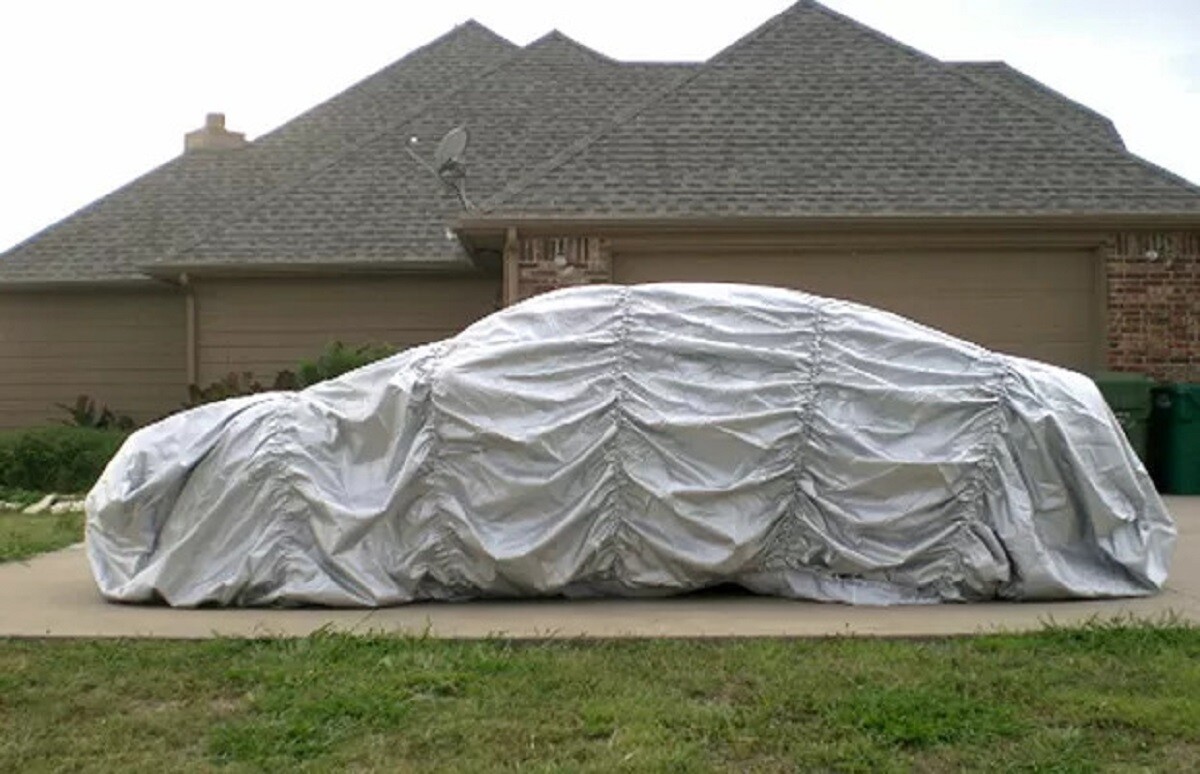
986 460
284 516
786 537
442 550
620 507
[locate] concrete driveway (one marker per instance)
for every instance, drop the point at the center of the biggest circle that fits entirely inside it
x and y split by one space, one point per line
53 596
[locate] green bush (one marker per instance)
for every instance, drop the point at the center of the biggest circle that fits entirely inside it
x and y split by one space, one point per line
56 459
338 359
235 385
11 494
84 413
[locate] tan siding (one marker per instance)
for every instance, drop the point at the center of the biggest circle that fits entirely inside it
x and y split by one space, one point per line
1035 303
264 326
125 349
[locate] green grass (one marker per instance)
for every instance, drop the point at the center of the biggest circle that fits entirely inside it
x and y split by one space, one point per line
24 536
1113 696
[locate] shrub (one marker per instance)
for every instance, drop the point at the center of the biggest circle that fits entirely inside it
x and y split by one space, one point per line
235 385
11 494
84 414
338 359
56 459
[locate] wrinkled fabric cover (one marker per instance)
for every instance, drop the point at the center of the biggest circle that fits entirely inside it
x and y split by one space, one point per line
643 440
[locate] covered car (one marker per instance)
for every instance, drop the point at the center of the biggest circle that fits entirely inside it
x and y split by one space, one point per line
644 440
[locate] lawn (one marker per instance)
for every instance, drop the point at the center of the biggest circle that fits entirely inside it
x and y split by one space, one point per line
23 536
1106 696
1063 700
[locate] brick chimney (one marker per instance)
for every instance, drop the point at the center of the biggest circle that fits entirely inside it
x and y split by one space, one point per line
213 136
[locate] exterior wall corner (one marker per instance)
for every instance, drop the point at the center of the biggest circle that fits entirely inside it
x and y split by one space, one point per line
1153 303
540 264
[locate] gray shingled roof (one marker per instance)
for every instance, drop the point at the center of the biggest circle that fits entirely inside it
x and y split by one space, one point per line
172 206
815 114
810 115
377 204
1038 96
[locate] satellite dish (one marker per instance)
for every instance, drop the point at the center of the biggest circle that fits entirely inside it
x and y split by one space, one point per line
447 164
450 150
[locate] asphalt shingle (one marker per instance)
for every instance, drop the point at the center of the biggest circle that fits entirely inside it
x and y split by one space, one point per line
816 115
810 115
378 204
172 206
1037 96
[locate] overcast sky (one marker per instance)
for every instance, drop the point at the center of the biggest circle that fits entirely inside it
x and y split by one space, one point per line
98 92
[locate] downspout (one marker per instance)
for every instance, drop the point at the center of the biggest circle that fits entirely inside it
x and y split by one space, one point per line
511 269
189 305
1100 309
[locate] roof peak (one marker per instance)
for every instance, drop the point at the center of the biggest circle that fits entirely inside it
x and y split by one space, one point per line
555 40
463 29
552 35
815 66
808 7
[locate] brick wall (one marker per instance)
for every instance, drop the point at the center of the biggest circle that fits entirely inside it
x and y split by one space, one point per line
1154 304
549 263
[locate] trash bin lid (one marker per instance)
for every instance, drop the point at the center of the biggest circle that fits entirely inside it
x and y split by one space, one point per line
1183 399
1125 391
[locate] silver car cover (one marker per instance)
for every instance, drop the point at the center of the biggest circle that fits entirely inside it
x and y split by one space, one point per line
643 440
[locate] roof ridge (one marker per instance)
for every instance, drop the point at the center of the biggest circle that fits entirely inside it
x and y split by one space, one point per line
291 185
957 73
85 208
622 117
470 24
873 32
445 37
1033 83
557 36
763 28
574 149
1148 165
525 182
211 226
265 198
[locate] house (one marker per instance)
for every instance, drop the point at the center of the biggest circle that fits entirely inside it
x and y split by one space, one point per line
813 153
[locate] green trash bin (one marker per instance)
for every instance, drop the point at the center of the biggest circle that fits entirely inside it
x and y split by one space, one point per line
1175 439
1129 396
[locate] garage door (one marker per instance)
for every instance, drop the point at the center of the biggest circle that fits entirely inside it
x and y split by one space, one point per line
1035 304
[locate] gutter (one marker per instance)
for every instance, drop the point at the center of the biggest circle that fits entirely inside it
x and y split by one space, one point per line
243 269
667 224
81 286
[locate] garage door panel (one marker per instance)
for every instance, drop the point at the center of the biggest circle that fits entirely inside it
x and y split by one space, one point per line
1039 304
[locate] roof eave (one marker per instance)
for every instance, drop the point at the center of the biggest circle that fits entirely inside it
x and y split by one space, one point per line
81 285
247 269
487 224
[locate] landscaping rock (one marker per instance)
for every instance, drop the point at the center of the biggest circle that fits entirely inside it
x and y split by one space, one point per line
42 505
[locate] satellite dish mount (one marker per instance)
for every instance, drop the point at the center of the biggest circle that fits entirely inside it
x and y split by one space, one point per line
448 165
